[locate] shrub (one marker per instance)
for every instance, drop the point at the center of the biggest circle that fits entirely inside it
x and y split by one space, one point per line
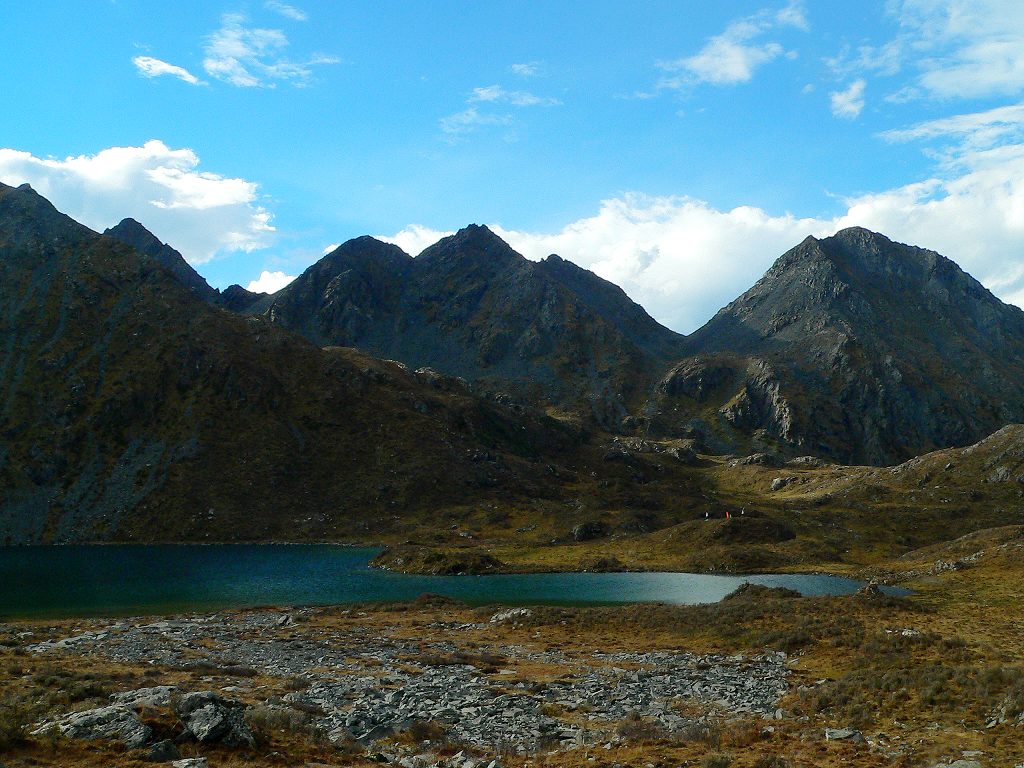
634 728
716 760
426 730
15 718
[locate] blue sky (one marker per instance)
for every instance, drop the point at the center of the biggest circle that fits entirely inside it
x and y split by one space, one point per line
675 148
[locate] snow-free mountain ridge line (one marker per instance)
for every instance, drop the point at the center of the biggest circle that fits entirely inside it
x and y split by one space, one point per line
852 347
134 404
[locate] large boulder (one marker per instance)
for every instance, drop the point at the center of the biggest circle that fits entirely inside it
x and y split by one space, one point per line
588 531
117 722
209 718
157 696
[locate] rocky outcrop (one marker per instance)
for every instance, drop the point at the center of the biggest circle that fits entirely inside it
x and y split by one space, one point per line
118 722
366 687
205 716
212 719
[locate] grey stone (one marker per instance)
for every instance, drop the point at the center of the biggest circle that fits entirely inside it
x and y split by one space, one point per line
163 752
212 719
844 734
588 531
157 696
117 722
190 702
191 762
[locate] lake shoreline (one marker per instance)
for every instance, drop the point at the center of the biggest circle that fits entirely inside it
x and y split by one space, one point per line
838 570
83 580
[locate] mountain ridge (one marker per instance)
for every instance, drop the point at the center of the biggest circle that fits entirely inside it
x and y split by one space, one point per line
470 306
132 410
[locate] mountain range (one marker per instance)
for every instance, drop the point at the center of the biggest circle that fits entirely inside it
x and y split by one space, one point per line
136 401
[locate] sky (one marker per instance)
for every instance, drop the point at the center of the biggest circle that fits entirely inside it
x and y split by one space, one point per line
676 148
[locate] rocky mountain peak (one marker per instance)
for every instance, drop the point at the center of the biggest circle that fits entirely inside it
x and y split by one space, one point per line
26 217
883 349
364 252
132 233
474 245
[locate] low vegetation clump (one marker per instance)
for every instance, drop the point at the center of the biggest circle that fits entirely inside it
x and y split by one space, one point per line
268 723
640 731
486 662
15 716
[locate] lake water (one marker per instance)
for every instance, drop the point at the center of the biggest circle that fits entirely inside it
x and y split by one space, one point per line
128 579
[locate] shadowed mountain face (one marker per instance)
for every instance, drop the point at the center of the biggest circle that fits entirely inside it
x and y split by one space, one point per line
856 348
470 306
132 233
131 409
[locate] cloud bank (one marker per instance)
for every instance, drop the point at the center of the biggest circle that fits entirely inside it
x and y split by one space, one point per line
200 213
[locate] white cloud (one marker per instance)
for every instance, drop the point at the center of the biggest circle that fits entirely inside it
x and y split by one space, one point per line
288 11
682 259
678 257
150 67
497 94
198 212
330 248
526 69
793 15
733 56
269 282
468 120
726 59
963 48
849 103
970 132
252 57
414 238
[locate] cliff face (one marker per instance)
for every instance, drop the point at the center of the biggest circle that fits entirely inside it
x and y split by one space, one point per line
471 306
132 409
856 348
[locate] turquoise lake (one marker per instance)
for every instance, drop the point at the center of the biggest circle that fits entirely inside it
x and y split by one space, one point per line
86 580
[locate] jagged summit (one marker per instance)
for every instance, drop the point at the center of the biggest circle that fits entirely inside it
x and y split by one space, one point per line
474 246
471 306
130 228
865 350
132 233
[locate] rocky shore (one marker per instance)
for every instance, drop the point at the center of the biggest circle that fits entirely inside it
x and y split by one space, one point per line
357 686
